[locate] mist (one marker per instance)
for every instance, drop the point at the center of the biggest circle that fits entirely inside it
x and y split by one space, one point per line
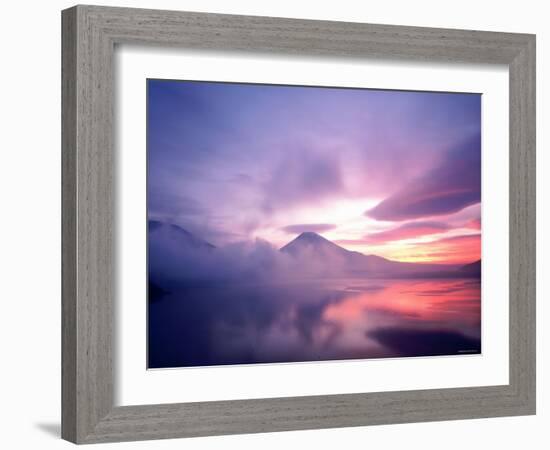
255 261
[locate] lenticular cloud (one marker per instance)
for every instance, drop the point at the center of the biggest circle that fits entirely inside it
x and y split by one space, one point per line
449 187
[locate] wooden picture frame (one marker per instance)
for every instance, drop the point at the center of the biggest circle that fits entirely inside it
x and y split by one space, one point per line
90 34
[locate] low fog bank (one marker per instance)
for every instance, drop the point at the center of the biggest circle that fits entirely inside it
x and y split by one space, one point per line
255 261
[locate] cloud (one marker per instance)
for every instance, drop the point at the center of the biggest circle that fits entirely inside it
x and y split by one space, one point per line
452 185
461 238
474 224
169 205
302 176
407 231
304 227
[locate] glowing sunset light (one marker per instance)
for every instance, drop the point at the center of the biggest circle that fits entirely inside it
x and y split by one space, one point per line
334 220
450 250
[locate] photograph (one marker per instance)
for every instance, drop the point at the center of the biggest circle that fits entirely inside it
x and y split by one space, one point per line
300 223
272 225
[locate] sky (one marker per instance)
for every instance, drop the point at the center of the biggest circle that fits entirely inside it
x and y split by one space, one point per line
391 173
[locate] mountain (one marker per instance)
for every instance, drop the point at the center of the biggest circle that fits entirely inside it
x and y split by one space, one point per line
318 248
309 241
472 269
173 252
175 235
310 246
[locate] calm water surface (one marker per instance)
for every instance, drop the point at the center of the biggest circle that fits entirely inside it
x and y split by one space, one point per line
314 320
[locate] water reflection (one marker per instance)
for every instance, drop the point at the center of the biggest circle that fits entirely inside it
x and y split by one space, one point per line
309 321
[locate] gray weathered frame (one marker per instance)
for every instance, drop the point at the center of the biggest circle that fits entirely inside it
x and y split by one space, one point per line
89 36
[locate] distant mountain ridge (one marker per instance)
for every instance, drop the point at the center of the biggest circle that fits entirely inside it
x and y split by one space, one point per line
177 234
173 252
473 269
315 246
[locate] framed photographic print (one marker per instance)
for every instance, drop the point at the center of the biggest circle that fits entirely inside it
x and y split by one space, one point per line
255 209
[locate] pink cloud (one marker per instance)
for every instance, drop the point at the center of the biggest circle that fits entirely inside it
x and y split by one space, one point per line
474 224
407 231
448 188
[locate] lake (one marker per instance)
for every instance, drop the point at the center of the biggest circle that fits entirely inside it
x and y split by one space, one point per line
313 320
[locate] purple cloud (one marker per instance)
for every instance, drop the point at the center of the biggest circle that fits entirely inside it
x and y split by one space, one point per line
449 187
301 177
304 227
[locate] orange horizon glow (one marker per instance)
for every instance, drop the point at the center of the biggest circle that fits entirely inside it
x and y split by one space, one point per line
441 251
450 239
462 249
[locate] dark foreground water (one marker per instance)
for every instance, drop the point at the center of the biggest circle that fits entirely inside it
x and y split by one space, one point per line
312 321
